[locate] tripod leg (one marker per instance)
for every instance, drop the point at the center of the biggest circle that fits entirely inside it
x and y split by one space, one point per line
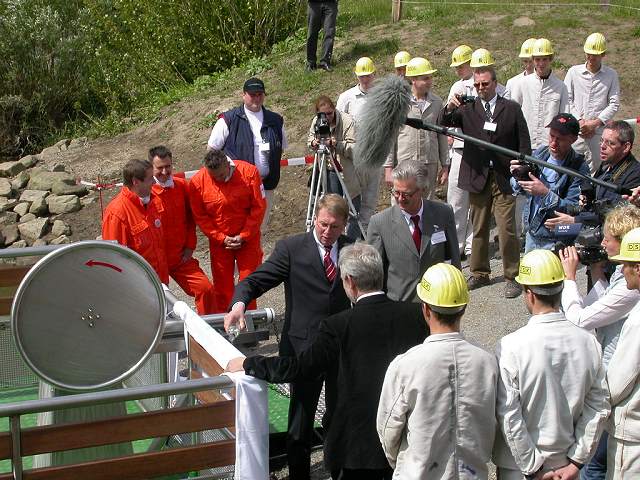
345 192
319 164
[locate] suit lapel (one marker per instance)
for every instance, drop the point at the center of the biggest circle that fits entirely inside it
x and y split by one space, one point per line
314 254
498 108
401 230
427 230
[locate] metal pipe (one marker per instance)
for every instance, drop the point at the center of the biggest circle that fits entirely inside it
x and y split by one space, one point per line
419 124
110 396
16 447
216 320
35 251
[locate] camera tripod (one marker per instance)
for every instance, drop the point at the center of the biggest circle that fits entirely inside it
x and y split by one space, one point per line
324 157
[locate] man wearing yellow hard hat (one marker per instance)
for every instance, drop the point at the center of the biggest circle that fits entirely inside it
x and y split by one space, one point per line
436 417
594 97
527 65
552 393
542 95
421 146
623 450
400 63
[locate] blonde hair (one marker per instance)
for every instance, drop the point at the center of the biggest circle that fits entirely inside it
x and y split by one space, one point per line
621 220
334 204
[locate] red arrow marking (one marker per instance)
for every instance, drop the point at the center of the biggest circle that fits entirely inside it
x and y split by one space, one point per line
91 263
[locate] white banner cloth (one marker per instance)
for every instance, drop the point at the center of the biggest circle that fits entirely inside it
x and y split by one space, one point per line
252 412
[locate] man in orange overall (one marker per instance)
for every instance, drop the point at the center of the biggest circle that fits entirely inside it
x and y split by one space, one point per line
134 217
179 231
228 204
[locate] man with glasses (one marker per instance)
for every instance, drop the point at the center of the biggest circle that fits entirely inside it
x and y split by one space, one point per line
413 234
254 134
485 174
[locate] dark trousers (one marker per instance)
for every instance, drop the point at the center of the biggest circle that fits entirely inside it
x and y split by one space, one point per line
323 15
596 469
362 474
302 408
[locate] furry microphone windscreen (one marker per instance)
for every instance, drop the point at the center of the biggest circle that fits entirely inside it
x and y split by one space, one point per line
380 119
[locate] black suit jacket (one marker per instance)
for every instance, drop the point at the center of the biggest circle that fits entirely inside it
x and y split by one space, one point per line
309 298
511 133
353 349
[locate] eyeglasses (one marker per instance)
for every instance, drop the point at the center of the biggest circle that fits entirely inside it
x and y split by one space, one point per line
482 84
610 143
398 194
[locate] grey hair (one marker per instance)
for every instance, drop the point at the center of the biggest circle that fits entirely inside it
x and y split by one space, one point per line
410 169
363 263
623 129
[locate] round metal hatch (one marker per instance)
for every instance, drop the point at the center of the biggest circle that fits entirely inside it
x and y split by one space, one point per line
88 315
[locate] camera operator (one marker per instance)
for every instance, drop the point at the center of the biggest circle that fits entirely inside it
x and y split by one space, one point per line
548 190
607 304
618 166
339 139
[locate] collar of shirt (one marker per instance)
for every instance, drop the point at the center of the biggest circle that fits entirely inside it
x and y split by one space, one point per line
492 103
259 114
439 337
359 91
369 294
145 200
322 250
232 168
168 184
407 216
420 103
547 318
586 70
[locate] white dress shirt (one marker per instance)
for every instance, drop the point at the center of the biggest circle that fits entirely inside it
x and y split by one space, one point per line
322 250
351 101
407 218
593 95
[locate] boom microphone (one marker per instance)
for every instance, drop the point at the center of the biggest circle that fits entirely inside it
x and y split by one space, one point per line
380 119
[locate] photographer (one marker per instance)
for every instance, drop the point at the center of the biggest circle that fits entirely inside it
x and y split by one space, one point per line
607 304
548 190
618 166
339 139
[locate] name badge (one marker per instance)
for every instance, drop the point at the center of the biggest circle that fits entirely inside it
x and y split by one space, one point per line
438 237
490 126
264 147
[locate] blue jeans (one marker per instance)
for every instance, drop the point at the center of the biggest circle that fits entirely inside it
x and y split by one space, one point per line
596 469
532 243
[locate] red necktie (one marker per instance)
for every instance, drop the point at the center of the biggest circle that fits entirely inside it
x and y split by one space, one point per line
417 234
329 266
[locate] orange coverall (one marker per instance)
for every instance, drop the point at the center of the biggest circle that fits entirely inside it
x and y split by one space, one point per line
230 208
179 231
138 227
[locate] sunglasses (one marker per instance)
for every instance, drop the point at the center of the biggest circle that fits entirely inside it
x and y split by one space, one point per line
482 84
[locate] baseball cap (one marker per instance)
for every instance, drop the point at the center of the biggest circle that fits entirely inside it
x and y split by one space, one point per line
565 123
253 85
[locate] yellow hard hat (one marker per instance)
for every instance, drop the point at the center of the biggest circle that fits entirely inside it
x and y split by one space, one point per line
419 66
401 59
461 54
595 44
481 58
443 288
540 267
629 247
527 47
364 66
542 48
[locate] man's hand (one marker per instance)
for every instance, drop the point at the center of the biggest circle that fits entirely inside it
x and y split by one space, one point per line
568 472
314 144
450 141
232 243
454 103
187 253
588 127
443 176
559 219
570 261
235 364
235 317
387 176
534 187
634 197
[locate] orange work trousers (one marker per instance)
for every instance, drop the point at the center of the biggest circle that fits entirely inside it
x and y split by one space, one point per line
195 283
223 262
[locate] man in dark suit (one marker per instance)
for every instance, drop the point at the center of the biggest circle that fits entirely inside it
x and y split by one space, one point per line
353 348
308 266
485 174
413 234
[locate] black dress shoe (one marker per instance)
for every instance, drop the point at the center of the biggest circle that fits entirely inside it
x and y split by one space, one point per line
310 68
325 66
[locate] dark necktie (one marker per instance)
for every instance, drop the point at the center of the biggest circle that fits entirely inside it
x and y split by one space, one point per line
417 234
487 109
329 266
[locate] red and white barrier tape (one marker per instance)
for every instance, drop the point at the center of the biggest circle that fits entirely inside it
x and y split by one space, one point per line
633 121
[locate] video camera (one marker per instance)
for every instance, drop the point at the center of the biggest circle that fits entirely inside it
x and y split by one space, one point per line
464 99
322 127
522 171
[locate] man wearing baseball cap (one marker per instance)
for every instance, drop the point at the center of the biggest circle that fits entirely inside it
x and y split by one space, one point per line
547 190
254 134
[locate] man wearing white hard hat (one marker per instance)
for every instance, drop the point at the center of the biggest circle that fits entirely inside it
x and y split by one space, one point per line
623 376
421 146
436 417
552 395
594 97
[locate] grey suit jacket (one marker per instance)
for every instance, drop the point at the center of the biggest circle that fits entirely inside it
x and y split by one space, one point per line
389 233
